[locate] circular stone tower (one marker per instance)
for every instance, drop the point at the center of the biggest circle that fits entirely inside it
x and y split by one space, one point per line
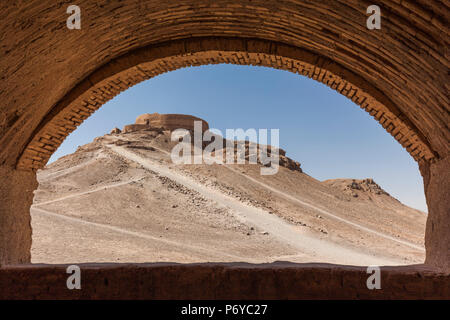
170 121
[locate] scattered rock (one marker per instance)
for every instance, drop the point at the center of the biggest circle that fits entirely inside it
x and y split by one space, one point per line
116 131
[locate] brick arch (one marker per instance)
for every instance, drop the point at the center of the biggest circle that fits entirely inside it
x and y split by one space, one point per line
53 78
146 63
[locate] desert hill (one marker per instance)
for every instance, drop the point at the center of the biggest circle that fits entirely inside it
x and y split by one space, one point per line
122 199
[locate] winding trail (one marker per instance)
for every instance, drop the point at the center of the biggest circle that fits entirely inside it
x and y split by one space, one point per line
75 195
57 174
322 211
179 245
277 228
329 214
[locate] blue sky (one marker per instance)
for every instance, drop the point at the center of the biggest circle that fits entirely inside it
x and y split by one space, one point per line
326 132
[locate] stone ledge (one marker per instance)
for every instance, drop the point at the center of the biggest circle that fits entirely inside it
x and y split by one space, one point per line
279 280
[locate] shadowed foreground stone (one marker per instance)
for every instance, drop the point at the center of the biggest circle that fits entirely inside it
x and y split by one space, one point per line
16 197
436 180
281 280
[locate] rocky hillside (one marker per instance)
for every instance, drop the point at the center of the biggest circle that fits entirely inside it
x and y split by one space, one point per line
121 198
366 188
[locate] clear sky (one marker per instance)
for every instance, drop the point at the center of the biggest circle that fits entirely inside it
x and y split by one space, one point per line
326 132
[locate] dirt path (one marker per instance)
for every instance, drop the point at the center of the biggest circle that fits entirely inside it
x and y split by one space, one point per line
104 187
277 228
322 211
59 173
184 246
327 213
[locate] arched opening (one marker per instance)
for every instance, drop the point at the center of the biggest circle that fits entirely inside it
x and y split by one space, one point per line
298 186
145 63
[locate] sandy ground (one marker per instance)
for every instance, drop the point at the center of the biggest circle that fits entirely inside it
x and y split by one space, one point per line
126 201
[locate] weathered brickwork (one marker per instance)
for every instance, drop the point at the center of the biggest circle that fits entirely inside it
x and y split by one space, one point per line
53 78
171 121
51 135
